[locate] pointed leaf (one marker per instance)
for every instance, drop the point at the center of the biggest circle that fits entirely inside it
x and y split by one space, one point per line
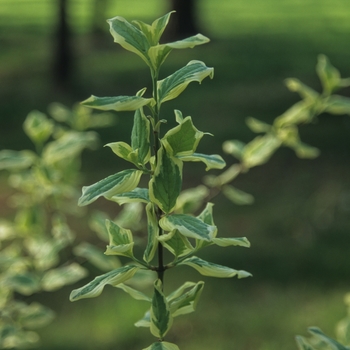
234 147
95 287
298 113
226 242
182 139
16 160
191 199
136 195
68 146
213 161
118 103
237 196
96 257
257 126
165 185
38 127
145 321
329 75
154 32
121 182
161 319
259 150
172 86
177 244
187 302
140 136
162 346
137 295
55 279
303 90
124 151
153 233
120 240
129 37
188 226
206 268
338 105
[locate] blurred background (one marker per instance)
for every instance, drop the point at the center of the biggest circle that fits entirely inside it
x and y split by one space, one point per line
61 51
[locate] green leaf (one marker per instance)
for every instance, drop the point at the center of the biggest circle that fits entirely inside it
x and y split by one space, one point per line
338 105
38 127
259 150
154 32
257 126
165 185
137 295
162 346
182 139
189 42
68 146
234 147
186 302
176 243
299 113
34 315
329 75
112 185
55 279
96 256
153 233
172 86
25 283
124 151
95 287
136 195
206 268
226 242
16 160
140 137
161 319
129 37
120 240
227 176
303 90
191 199
213 161
118 103
318 341
207 217
303 150
188 226
237 196
145 321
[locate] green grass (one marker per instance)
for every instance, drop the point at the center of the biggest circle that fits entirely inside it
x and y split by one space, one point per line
299 222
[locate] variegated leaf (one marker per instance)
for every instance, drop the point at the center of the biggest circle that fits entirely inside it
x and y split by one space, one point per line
136 195
140 137
16 160
183 139
118 103
172 86
213 161
188 226
165 185
186 302
121 182
161 318
153 233
95 287
206 268
120 240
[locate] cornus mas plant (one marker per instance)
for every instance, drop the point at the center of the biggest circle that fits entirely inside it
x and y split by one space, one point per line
160 156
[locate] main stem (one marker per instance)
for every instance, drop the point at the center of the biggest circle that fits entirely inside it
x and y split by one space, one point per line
160 268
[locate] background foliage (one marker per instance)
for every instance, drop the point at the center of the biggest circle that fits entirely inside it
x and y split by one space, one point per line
299 223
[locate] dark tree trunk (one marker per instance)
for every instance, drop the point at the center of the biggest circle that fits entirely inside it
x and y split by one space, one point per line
99 24
183 23
63 52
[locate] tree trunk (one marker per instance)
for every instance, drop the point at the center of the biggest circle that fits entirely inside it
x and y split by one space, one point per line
183 23
62 65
